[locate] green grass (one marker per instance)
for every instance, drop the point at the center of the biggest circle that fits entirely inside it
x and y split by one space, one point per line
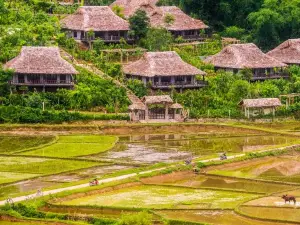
20 168
72 146
159 197
10 144
8 177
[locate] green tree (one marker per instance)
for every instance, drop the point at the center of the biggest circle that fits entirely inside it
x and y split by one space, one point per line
119 11
266 25
139 24
157 39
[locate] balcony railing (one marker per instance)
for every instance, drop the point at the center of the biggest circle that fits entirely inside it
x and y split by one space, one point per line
195 37
180 84
109 38
264 76
42 82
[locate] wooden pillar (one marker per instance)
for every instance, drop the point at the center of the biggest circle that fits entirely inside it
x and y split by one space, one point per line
146 113
25 78
58 79
172 80
166 112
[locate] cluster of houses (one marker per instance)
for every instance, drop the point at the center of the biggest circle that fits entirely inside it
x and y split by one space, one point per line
44 69
111 28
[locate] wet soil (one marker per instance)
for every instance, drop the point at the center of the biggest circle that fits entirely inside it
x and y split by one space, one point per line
217 217
282 214
189 179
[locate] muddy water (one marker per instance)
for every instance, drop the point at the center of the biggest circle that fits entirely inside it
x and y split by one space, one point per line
54 180
189 179
149 149
224 217
284 214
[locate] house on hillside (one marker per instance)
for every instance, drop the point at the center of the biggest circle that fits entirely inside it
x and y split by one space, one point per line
41 69
101 20
165 70
237 57
181 25
261 106
156 108
288 52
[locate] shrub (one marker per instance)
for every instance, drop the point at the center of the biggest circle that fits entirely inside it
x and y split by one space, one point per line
142 218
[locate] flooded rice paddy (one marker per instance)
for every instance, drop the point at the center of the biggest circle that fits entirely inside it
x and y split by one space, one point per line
284 168
219 217
193 198
189 179
164 197
149 149
281 214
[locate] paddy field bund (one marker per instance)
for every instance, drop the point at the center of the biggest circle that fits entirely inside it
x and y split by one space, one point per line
245 192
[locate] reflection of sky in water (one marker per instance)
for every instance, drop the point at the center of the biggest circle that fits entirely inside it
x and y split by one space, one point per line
175 147
147 154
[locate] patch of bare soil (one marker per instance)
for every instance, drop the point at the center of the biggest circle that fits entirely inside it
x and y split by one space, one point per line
169 178
94 192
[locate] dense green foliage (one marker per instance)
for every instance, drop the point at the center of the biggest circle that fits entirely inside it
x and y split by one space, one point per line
226 90
265 22
139 24
91 92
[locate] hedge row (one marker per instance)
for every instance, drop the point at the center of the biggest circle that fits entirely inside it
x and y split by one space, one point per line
18 114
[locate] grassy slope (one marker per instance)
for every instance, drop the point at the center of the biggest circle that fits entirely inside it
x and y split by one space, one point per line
71 146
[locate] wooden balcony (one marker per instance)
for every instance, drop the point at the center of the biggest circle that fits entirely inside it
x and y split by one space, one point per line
110 39
53 83
195 37
264 76
180 85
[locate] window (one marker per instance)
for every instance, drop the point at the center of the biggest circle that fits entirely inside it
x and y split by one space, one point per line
75 34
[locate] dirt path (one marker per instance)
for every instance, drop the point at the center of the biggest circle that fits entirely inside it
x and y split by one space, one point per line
103 181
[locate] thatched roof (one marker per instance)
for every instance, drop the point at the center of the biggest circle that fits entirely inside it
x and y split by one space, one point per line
176 106
131 6
40 60
288 52
181 21
161 64
157 14
157 99
137 106
95 18
240 56
260 103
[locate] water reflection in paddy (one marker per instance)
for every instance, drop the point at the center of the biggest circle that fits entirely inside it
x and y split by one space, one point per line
171 148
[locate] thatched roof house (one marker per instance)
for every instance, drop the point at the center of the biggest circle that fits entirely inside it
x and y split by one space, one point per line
164 70
181 25
181 20
95 18
40 60
161 64
165 99
156 108
240 56
260 103
288 52
260 106
41 68
131 6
